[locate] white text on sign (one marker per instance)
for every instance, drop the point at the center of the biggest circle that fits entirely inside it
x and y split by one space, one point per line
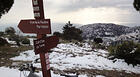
36 8
42 27
40 41
36 14
35 2
39 22
40 46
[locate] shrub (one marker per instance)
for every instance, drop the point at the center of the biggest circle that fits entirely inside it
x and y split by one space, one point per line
15 38
25 41
1 33
137 54
58 34
129 51
97 46
98 40
10 30
71 33
3 42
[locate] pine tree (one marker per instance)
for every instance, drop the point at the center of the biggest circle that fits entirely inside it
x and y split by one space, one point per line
70 32
5 6
136 5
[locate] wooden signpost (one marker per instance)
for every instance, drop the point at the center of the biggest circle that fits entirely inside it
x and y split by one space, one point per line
41 27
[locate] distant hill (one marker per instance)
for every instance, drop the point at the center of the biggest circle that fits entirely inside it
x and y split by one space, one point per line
91 31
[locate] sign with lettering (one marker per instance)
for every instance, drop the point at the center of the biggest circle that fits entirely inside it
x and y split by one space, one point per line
45 44
39 45
38 9
41 26
47 61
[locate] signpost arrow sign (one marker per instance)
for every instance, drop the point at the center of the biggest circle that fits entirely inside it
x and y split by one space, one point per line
45 44
41 26
39 45
51 42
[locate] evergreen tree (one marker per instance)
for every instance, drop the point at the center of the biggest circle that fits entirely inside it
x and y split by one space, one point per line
136 5
70 32
5 6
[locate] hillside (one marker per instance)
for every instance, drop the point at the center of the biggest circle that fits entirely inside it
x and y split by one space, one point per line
106 30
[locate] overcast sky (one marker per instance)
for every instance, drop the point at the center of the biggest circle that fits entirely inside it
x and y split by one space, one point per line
77 11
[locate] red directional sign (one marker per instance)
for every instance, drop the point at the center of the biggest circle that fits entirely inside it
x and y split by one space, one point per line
41 26
51 42
45 44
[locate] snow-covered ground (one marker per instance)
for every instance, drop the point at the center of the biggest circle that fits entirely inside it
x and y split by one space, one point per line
72 56
9 72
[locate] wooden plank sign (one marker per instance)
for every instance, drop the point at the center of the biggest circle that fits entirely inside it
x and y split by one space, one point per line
45 44
51 42
39 45
41 26
38 9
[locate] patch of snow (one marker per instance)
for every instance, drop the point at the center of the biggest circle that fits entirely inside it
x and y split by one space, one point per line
100 76
26 56
7 72
71 56
10 72
31 40
10 42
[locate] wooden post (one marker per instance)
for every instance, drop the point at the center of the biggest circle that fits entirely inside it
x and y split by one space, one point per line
41 27
39 14
45 72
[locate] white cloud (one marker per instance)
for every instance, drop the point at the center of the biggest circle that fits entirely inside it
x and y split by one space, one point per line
77 11
74 5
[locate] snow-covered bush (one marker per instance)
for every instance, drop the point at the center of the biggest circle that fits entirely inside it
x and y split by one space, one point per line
129 51
25 41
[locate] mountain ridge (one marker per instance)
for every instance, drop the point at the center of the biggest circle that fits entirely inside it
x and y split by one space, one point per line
91 31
